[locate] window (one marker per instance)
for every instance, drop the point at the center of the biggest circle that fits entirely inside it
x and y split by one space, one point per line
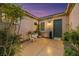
42 25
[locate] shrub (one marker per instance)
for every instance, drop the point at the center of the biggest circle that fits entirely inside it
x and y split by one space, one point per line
73 38
9 43
70 52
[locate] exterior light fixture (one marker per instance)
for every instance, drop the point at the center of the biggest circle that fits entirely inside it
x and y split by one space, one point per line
35 23
49 21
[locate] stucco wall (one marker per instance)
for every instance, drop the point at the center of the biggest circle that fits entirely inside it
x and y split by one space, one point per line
74 17
49 26
27 24
1 26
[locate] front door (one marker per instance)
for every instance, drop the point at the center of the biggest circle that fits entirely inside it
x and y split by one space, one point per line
57 28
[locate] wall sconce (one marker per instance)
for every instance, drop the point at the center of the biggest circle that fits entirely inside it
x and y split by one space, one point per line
49 20
35 23
49 24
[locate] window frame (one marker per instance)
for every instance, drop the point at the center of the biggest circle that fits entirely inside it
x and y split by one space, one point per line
42 26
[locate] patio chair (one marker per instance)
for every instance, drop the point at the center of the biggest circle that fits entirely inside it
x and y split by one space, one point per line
34 36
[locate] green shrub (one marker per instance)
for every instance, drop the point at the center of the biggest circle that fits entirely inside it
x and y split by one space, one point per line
9 43
70 52
72 38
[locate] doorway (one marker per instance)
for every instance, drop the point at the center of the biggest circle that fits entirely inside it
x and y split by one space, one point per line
57 28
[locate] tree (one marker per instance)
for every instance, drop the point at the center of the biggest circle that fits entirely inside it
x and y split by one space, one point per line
11 41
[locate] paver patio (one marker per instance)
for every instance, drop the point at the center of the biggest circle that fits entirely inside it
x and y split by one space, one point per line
42 47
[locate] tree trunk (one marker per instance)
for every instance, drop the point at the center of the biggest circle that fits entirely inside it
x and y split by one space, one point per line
19 27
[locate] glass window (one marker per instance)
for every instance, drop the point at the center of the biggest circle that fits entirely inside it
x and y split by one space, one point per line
42 26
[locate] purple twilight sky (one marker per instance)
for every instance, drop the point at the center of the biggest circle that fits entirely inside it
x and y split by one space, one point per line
44 9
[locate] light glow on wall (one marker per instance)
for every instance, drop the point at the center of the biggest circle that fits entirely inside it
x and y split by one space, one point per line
49 24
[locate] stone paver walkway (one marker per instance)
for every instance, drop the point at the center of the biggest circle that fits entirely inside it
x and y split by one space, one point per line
42 47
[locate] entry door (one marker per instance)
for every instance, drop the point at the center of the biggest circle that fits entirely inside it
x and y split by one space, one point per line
57 28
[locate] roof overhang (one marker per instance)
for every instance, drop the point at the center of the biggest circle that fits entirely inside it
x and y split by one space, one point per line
30 15
69 8
53 16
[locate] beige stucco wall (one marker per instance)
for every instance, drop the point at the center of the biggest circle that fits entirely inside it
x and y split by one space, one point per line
74 17
27 24
49 26
1 26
